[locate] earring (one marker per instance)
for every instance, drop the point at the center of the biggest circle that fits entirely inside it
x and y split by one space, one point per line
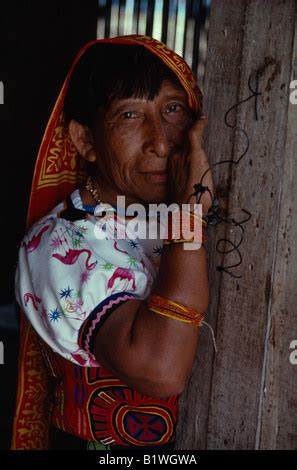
90 155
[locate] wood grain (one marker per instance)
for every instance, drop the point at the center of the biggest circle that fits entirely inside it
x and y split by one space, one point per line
220 91
278 412
244 397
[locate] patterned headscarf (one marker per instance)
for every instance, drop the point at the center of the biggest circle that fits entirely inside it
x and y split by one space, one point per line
58 170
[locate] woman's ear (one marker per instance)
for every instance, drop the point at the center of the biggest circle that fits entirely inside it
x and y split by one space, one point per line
82 139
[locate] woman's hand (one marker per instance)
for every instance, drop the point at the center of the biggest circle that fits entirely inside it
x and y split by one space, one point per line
186 171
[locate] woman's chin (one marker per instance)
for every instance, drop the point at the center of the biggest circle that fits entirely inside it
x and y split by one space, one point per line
157 196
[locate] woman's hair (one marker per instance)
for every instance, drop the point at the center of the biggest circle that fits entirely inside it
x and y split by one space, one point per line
107 71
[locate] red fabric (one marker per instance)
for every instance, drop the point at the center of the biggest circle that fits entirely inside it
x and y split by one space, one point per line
92 404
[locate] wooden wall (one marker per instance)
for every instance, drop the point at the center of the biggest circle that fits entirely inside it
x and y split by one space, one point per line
244 397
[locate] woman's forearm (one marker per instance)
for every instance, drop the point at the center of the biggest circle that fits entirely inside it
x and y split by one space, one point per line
152 353
182 277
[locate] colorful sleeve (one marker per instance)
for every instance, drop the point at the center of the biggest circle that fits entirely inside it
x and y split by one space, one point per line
68 282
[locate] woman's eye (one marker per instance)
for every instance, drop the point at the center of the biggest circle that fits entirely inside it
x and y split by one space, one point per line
129 115
173 108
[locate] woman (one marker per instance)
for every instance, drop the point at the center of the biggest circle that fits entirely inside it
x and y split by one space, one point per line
117 319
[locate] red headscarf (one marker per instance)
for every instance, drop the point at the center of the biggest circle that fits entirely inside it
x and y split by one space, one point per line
57 172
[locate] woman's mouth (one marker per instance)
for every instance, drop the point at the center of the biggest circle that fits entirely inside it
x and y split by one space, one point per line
155 176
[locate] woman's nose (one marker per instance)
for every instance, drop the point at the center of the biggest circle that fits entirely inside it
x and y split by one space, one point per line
156 138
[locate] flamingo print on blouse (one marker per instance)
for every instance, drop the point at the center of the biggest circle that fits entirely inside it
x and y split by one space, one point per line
122 274
34 299
115 245
71 256
34 243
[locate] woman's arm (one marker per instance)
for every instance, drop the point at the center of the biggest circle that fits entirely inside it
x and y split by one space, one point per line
152 353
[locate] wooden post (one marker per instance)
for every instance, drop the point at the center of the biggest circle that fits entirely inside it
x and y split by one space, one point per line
278 423
243 397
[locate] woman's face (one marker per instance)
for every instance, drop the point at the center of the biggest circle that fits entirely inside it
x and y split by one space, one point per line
135 138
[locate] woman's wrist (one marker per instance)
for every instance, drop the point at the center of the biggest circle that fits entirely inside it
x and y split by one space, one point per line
191 206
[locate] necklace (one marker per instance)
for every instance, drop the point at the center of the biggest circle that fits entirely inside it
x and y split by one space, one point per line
91 187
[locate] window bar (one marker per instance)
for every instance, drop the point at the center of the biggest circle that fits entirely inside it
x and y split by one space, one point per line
150 16
199 16
136 16
142 17
165 20
107 15
121 17
188 13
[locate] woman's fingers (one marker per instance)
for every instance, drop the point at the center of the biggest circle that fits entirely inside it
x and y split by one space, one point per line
178 174
188 170
196 133
199 163
198 160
